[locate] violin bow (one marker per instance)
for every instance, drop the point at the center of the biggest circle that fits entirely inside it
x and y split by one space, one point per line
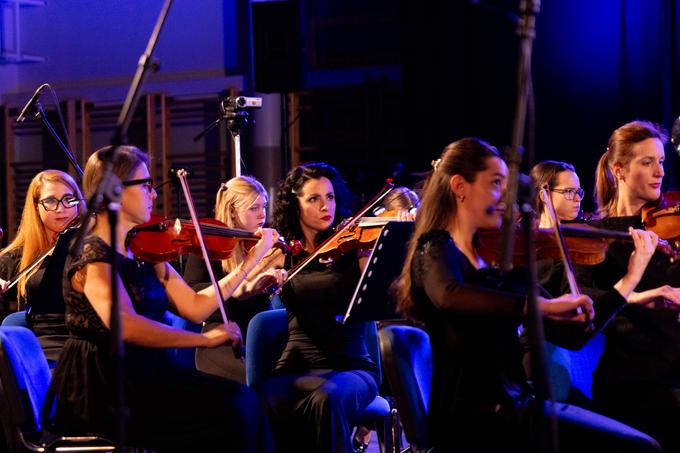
25 271
564 252
182 176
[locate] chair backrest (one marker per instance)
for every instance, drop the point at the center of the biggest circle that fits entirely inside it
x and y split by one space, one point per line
407 362
24 380
17 318
583 364
267 338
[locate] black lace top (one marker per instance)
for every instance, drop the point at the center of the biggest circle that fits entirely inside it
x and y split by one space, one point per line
82 382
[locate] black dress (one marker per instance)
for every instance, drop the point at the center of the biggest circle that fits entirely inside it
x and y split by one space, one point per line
221 361
43 302
637 379
170 409
479 399
325 377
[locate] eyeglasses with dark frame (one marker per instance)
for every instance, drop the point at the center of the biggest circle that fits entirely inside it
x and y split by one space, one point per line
147 182
52 204
571 192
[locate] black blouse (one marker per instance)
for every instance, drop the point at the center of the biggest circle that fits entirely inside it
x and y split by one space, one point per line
642 345
472 316
314 298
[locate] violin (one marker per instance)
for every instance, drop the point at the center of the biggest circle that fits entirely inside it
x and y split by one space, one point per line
361 235
662 216
586 244
162 239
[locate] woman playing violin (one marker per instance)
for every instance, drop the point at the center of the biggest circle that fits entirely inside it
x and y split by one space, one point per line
637 375
53 202
170 409
479 399
325 377
564 190
241 203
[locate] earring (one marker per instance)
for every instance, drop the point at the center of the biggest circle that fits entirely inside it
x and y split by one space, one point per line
461 198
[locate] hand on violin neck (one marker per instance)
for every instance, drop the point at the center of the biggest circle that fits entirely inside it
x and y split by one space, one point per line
563 308
3 285
268 237
229 334
266 282
645 245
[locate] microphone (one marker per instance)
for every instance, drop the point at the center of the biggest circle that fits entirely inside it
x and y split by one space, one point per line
29 104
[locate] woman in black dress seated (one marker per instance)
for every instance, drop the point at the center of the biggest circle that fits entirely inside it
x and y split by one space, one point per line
169 409
325 377
53 201
241 203
479 398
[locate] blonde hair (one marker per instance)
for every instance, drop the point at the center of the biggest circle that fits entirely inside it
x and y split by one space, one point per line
620 152
32 238
237 193
401 198
466 157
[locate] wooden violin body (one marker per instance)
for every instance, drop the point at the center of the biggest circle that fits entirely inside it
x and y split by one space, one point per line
587 245
161 239
360 235
663 217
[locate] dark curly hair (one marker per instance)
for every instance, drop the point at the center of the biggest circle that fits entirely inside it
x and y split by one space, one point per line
287 209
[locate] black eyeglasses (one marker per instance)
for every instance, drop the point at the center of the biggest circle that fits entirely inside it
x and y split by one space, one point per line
570 193
147 182
52 204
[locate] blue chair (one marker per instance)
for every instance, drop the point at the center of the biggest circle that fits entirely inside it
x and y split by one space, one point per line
407 362
583 363
24 380
18 318
267 337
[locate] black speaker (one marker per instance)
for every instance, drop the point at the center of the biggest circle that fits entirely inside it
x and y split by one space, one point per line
277 46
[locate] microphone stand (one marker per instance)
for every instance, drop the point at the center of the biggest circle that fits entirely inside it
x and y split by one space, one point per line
545 428
40 114
108 193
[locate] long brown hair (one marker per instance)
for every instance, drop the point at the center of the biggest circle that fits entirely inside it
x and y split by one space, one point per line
620 152
32 238
128 158
235 194
466 157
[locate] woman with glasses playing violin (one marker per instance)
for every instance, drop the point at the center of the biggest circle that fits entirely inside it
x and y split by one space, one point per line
637 377
241 203
564 189
169 408
53 202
